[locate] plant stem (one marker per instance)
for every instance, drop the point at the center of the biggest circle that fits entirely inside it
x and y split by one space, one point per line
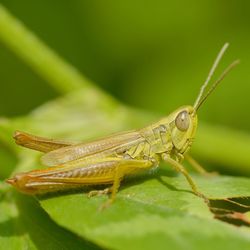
44 61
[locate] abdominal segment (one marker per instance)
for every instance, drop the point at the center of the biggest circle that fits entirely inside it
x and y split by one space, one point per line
92 172
53 179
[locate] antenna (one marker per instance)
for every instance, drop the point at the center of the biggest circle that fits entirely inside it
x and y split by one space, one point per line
199 99
222 76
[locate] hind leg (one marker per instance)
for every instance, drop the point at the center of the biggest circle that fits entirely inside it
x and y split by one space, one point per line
122 168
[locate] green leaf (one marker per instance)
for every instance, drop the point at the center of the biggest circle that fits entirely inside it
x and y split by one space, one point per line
154 213
12 234
24 225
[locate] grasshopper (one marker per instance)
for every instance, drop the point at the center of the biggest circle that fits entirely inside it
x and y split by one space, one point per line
109 160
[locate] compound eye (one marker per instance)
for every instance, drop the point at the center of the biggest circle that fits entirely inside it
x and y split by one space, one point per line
182 121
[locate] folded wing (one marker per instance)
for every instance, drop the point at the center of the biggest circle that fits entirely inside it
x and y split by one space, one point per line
102 147
38 143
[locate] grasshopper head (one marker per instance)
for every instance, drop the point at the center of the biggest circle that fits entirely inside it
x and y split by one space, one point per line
184 124
185 118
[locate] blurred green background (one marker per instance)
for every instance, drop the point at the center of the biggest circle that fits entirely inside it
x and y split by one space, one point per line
149 54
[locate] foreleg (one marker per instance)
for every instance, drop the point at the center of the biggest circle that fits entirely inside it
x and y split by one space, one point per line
178 167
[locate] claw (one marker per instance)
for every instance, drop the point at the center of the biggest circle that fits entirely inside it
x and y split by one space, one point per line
201 195
99 192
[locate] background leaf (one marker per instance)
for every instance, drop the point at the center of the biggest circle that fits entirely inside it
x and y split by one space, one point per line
24 225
